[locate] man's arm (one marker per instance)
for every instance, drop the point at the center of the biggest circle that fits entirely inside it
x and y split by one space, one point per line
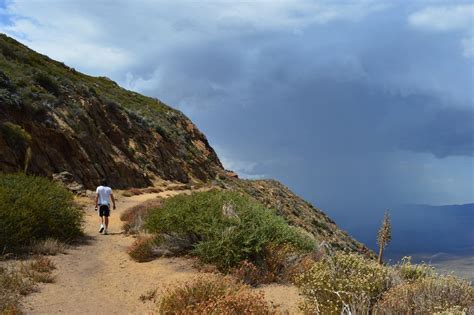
113 199
96 201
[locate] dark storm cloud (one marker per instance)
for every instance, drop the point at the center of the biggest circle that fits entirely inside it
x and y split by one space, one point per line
335 111
314 89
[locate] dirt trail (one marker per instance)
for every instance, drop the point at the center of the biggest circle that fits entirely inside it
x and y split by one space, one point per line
100 277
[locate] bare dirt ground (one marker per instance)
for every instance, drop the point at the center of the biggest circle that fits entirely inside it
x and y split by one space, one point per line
99 276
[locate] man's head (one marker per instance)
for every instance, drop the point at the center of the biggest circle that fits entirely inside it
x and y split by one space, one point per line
103 182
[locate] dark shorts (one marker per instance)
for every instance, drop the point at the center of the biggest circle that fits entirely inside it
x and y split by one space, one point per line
104 211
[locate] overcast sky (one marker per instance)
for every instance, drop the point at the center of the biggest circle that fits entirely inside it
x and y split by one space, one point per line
355 105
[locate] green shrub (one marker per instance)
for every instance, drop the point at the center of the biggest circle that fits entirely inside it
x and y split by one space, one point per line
48 83
15 135
34 208
346 282
226 228
412 272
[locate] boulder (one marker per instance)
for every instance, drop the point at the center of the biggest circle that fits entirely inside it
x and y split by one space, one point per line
231 174
68 180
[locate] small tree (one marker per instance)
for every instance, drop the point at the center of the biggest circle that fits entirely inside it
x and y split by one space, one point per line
384 236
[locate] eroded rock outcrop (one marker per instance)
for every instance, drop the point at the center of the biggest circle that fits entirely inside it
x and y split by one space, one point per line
92 128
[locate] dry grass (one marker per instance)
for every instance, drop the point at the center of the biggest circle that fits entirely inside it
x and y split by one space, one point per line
18 278
152 190
248 273
49 246
132 192
13 284
150 295
213 295
42 277
276 260
301 264
134 217
42 264
142 249
178 186
428 295
39 270
278 264
344 282
10 309
139 191
348 283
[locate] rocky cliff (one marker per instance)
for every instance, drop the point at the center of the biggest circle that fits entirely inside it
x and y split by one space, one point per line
56 119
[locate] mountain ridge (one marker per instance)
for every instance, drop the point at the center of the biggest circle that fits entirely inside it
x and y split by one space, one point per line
92 128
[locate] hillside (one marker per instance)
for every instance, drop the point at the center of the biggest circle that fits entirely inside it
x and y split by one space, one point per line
298 212
91 128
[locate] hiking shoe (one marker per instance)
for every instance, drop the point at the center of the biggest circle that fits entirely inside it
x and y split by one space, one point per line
105 232
101 228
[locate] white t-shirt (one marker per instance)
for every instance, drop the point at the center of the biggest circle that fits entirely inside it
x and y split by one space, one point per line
104 193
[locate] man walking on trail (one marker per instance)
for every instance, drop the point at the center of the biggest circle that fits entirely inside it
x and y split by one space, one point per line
102 203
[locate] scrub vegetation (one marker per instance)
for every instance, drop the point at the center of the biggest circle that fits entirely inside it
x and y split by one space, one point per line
349 283
213 295
33 209
227 229
224 227
19 278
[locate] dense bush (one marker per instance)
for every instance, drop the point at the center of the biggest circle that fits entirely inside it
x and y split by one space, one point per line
428 295
412 272
213 296
225 227
34 208
47 82
343 282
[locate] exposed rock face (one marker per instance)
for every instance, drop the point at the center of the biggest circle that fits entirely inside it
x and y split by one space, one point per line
67 179
231 174
92 128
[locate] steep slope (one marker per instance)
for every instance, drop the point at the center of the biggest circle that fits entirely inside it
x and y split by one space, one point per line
298 212
91 127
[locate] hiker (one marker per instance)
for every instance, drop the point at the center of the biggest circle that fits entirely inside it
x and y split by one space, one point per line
102 204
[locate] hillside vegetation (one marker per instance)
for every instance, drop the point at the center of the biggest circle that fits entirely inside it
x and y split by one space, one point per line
297 212
34 209
220 227
91 127
349 283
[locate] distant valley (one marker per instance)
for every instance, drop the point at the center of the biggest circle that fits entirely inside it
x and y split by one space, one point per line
441 235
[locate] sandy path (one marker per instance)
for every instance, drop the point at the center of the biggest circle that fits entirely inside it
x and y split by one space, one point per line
100 277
